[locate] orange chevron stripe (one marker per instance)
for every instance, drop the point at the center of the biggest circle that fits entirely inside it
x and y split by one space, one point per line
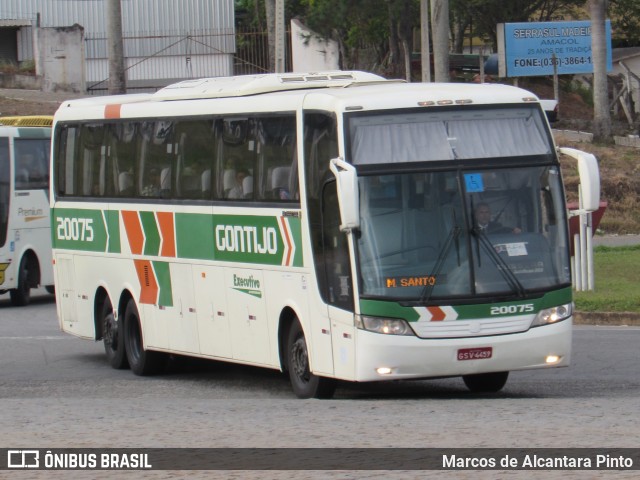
437 314
166 225
148 284
134 231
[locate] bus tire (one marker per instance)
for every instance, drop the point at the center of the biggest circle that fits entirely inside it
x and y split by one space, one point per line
142 362
21 295
304 383
113 337
486 382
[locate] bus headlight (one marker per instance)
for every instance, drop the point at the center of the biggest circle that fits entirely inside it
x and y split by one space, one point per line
387 326
553 315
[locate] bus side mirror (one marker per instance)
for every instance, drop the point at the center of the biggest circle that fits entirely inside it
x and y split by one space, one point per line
348 195
589 178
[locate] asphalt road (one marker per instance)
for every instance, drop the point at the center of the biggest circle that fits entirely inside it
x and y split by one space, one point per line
58 391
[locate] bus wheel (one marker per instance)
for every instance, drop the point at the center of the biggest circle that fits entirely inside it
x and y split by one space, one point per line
486 382
141 361
21 295
113 337
304 383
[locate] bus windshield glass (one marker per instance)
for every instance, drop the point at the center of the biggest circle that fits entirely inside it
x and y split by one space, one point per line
460 232
4 189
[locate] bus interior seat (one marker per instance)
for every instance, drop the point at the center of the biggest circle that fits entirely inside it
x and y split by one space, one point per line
190 185
22 176
205 180
228 180
165 179
280 182
125 183
247 187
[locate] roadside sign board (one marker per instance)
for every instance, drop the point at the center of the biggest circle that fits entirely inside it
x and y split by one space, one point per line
530 49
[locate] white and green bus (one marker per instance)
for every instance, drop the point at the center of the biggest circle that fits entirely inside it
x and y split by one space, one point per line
323 225
25 226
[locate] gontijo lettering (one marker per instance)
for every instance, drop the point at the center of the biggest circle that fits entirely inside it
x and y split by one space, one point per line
246 239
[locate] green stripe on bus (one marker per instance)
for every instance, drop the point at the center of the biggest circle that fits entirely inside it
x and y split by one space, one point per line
551 299
194 236
296 234
237 238
380 308
163 276
113 227
151 233
78 229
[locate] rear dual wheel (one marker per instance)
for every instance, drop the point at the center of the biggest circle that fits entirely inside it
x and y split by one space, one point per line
113 337
141 361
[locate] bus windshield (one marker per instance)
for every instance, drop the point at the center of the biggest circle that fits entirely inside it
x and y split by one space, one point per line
458 203
462 234
4 189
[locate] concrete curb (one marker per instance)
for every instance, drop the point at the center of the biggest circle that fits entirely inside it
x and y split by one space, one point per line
629 319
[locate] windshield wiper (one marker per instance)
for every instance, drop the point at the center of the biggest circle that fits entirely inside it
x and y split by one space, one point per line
502 266
452 238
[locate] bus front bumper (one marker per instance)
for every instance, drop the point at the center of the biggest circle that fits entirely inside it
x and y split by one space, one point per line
388 357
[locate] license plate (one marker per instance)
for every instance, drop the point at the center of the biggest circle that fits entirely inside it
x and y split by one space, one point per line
480 353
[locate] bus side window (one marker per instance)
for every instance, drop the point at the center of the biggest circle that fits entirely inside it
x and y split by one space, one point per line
157 157
32 163
237 157
278 180
123 155
196 151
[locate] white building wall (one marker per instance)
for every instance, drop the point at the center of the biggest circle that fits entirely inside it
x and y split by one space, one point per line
310 53
197 31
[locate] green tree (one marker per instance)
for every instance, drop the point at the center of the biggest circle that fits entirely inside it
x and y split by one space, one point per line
486 14
625 19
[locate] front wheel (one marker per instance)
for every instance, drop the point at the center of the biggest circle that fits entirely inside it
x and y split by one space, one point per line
21 295
113 337
304 383
141 361
486 382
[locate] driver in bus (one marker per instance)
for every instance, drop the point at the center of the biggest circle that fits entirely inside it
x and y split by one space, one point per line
486 225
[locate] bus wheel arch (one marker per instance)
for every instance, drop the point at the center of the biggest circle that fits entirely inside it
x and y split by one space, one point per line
304 383
28 277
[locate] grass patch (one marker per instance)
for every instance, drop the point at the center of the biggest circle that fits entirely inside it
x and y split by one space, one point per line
617 281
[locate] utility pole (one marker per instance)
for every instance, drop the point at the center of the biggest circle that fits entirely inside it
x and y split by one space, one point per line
601 113
280 37
425 55
440 26
117 81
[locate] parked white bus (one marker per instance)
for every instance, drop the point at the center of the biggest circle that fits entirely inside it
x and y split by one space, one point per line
25 226
321 224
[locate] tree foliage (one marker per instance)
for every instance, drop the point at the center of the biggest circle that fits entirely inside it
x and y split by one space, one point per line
484 15
625 19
